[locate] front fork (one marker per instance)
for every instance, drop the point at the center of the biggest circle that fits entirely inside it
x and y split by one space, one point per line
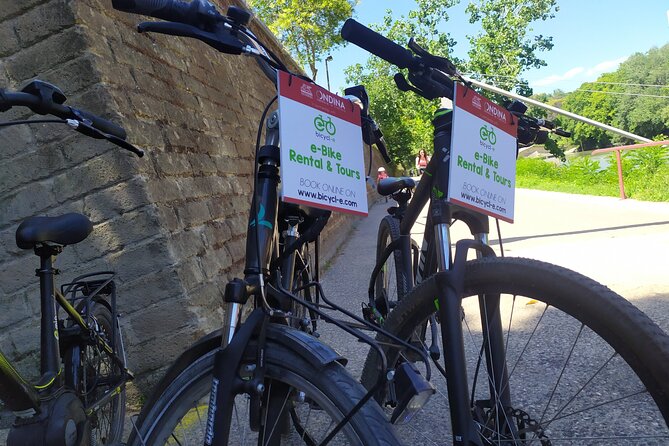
451 283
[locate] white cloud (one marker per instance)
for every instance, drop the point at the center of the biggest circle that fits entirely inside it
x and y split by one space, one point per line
572 73
579 72
607 65
557 77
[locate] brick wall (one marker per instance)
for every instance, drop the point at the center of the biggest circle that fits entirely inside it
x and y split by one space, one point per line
171 224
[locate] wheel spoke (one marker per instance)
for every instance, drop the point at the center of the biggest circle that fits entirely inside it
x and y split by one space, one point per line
564 366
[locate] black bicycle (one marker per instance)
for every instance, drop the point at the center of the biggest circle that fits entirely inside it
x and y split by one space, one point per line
265 380
532 353
80 396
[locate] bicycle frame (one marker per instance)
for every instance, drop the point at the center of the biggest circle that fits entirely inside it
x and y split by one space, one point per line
273 303
23 398
436 257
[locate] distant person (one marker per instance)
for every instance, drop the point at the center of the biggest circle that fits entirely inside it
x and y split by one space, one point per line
381 174
421 161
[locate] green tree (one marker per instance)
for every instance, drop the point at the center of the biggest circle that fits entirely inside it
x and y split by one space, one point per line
308 28
594 101
635 97
404 118
501 48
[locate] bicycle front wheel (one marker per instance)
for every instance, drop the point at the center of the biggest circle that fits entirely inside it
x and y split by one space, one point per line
315 400
584 366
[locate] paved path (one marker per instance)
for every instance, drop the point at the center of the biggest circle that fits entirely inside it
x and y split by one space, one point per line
622 244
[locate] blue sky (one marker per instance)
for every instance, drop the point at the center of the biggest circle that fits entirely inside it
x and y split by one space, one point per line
590 37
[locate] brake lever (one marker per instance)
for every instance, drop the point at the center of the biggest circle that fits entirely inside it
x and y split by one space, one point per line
438 62
403 85
92 132
221 41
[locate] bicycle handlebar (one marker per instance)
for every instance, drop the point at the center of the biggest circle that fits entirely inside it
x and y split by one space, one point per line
375 43
169 10
37 105
45 99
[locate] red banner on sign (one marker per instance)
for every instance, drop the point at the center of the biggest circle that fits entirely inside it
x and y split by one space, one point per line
487 110
306 93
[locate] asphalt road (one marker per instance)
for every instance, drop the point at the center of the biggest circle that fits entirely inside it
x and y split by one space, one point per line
620 243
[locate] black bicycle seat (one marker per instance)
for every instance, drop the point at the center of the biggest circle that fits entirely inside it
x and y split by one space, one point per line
66 229
390 185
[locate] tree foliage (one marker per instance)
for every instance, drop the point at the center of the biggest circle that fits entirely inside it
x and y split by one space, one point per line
504 47
308 28
405 119
634 98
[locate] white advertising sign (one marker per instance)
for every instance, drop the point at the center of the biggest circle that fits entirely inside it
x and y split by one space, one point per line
322 161
483 155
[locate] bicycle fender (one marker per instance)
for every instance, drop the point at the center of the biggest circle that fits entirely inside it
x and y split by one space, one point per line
308 347
305 345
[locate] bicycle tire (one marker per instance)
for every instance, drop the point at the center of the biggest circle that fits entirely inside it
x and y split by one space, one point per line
107 420
632 351
392 282
328 390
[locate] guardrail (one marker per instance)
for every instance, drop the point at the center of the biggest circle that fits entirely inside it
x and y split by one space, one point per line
618 149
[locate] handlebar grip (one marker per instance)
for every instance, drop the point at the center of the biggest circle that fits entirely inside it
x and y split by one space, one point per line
561 132
170 10
377 44
103 125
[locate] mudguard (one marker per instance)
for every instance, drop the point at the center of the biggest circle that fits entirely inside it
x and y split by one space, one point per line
308 347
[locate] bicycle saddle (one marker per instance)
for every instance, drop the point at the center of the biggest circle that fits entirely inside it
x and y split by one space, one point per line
66 229
390 185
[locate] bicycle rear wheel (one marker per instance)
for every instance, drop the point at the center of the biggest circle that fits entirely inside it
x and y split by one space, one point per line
392 282
99 376
584 365
316 399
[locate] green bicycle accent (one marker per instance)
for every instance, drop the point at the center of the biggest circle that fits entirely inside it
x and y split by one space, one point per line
488 134
439 113
437 193
321 124
261 219
48 384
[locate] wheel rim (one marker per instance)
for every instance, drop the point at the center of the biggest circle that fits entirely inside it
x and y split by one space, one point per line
310 416
98 371
568 386
387 282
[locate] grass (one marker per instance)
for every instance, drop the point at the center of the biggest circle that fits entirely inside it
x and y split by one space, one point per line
646 175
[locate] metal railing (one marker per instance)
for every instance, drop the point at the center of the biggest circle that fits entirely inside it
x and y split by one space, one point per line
618 149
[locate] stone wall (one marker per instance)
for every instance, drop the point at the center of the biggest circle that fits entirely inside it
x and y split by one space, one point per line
173 223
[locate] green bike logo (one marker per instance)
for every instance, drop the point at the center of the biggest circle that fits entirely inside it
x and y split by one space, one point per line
327 125
488 134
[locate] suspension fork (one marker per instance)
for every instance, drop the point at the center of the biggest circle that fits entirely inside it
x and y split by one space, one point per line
449 281
449 309
493 344
260 240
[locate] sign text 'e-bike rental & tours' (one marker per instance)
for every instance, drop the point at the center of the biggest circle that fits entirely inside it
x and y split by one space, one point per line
483 155
321 148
